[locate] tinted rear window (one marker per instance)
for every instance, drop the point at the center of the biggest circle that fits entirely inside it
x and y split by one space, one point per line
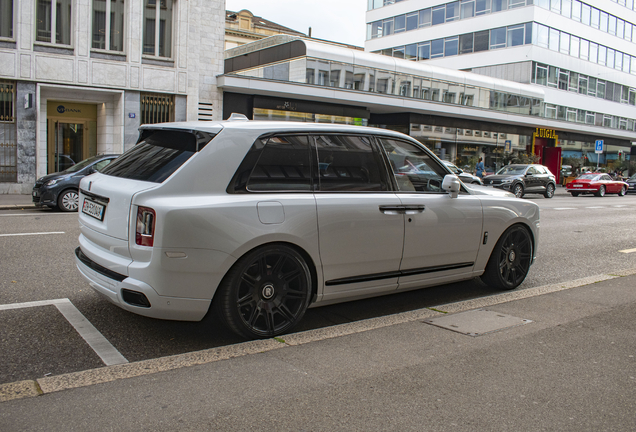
157 155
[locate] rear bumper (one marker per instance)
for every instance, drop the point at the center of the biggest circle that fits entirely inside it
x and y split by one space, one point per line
581 190
111 284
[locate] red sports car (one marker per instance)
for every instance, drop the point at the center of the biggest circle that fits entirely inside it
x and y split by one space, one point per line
597 184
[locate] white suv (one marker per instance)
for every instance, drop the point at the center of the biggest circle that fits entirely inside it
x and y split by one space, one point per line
257 221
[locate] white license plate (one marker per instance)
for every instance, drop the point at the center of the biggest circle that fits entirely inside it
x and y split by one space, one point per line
93 209
578 185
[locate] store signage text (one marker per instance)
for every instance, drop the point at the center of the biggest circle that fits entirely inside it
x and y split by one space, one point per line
545 133
62 109
287 106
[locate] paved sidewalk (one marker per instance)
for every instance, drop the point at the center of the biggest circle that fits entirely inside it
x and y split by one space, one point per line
564 361
15 201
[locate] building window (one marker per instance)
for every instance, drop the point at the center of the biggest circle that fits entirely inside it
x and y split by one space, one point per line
158 28
54 18
108 24
156 108
6 18
8 142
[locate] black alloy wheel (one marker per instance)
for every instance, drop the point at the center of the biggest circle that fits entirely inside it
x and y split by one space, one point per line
266 293
601 191
549 191
518 190
510 259
623 191
68 201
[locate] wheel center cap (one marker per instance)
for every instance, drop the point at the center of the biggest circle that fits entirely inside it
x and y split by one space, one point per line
511 256
268 291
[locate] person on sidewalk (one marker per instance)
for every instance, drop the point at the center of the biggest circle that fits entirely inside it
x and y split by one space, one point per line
479 169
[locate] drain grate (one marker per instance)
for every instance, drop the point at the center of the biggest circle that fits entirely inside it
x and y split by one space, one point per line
477 322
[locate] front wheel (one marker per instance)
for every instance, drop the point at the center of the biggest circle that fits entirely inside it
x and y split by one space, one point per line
510 260
266 293
549 191
68 201
518 190
623 191
601 191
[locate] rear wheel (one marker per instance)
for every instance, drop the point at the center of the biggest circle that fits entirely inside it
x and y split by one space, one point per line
266 293
549 191
68 201
623 191
518 190
601 191
510 259
575 194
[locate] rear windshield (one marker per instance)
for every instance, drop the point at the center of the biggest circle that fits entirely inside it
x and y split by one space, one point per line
158 154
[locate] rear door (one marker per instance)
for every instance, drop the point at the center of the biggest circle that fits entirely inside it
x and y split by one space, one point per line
361 229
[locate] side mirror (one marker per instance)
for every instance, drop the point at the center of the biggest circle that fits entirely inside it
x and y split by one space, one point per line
459 171
451 184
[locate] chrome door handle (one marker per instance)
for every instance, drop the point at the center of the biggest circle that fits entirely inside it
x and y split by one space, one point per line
402 209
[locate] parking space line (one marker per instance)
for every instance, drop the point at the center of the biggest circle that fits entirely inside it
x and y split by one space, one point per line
104 349
626 251
32 234
596 207
565 208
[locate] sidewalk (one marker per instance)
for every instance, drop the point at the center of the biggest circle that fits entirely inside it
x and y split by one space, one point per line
563 361
15 201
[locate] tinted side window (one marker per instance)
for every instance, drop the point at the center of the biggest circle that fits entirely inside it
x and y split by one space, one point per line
101 164
157 155
283 165
413 168
349 163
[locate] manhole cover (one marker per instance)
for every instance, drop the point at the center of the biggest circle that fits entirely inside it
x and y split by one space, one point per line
477 322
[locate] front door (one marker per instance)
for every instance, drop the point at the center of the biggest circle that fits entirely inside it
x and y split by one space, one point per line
441 234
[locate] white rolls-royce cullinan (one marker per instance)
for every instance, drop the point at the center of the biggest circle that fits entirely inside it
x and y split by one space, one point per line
257 221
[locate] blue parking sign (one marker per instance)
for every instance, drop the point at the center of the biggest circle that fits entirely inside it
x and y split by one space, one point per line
599 146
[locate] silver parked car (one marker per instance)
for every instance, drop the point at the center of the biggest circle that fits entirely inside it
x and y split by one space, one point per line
467 178
257 221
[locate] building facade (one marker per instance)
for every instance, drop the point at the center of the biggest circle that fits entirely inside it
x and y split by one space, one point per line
78 77
582 54
244 27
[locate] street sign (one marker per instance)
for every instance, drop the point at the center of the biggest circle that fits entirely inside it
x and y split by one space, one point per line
599 146
508 146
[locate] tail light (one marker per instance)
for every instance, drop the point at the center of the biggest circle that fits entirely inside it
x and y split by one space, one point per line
145 235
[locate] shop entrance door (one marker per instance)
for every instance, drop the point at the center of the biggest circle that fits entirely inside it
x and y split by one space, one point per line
67 144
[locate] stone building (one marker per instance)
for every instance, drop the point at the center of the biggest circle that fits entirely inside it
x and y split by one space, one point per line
78 77
244 27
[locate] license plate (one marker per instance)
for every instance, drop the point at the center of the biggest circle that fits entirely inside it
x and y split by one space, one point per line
578 185
93 209
35 193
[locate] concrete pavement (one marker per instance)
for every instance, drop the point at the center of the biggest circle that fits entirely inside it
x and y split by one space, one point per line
559 357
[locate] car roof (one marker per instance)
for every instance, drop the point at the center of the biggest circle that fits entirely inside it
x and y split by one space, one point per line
264 126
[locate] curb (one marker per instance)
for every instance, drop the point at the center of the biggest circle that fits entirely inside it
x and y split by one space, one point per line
16 206
46 385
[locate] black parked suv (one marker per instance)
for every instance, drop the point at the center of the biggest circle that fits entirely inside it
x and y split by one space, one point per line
522 179
61 189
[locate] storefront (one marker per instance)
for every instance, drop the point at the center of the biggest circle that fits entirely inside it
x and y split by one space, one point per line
71 134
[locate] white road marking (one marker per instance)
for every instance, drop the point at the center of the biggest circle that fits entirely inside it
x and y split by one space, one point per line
627 251
620 205
32 234
108 353
596 207
565 208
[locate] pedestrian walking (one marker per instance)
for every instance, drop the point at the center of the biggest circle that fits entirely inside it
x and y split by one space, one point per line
479 169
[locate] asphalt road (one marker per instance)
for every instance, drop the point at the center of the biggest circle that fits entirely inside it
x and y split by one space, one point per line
580 237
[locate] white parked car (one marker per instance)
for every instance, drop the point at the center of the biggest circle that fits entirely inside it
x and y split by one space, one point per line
257 221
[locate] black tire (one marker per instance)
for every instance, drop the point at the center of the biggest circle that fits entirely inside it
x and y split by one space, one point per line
601 192
68 201
510 260
623 191
518 190
575 194
549 191
266 293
